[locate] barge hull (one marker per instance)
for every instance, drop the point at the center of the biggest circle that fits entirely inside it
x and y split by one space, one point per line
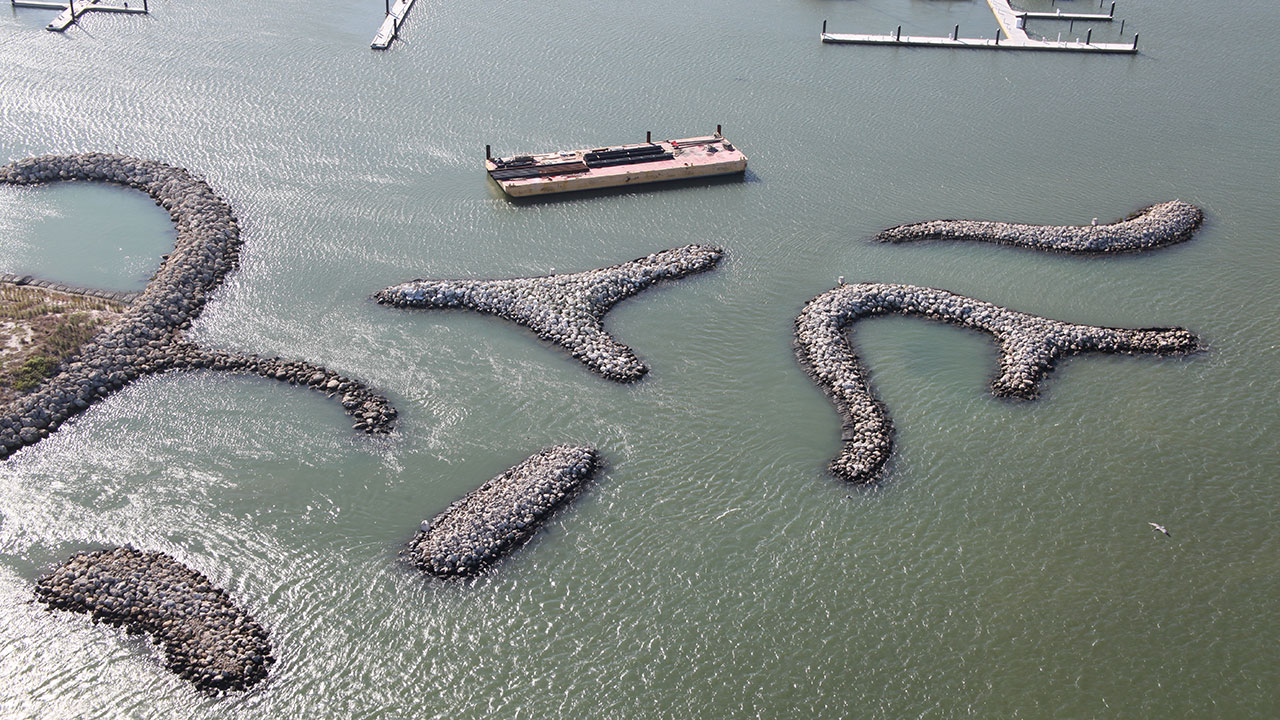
548 186
616 166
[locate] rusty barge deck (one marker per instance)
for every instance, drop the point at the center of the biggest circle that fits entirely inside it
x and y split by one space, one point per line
616 165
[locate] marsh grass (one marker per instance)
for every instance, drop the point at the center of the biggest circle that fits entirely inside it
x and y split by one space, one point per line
41 328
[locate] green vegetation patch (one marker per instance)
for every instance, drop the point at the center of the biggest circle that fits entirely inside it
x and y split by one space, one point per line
39 329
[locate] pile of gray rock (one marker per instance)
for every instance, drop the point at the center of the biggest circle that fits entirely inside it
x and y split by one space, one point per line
147 338
206 638
567 310
1151 227
120 296
1029 348
501 515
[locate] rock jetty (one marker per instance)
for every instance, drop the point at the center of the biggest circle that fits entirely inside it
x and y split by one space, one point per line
567 310
148 337
501 515
206 639
1029 347
1151 227
120 296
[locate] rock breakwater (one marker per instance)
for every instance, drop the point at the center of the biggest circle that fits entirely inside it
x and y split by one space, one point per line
501 515
1029 347
205 637
1151 227
148 337
120 296
567 310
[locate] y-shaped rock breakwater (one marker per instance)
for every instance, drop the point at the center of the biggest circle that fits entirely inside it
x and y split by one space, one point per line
148 336
207 640
1151 227
501 515
1029 347
567 310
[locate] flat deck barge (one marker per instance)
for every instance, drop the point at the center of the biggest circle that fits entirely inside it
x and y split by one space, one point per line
616 165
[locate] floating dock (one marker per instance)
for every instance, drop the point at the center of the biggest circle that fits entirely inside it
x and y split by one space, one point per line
390 28
1010 35
72 10
616 165
1059 15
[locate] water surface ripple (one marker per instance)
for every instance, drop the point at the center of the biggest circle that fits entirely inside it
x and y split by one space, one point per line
1006 570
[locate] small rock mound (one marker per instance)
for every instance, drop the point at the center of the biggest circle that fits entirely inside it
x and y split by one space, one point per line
567 310
501 515
1151 227
207 640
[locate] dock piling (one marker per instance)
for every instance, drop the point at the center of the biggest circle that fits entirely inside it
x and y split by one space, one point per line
824 25
718 133
1011 33
1135 41
1113 10
648 136
488 152
1122 27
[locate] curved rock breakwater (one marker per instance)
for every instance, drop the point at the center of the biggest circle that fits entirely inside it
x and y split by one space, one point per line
148 336
206 639
1151 227
501 515
567 310
1029 347
120 296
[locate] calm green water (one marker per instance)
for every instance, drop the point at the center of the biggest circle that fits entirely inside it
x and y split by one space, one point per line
1004 568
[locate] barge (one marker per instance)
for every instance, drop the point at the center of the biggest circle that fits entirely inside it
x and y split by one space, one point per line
616 165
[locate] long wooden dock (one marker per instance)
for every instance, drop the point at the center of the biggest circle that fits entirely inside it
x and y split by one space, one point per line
1011 34
72 10
390 27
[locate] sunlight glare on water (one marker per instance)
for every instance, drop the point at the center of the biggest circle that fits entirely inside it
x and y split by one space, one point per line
1004 568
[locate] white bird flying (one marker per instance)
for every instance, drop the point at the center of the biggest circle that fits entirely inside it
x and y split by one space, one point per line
1160 528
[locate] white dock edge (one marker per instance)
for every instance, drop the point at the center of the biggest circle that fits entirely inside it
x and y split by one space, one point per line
39 4
1057 14
1011 27
71 11
1064 16
390 26
979 43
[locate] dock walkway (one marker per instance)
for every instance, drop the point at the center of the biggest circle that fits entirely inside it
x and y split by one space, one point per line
1059 15
1011 26
72 10
390 27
